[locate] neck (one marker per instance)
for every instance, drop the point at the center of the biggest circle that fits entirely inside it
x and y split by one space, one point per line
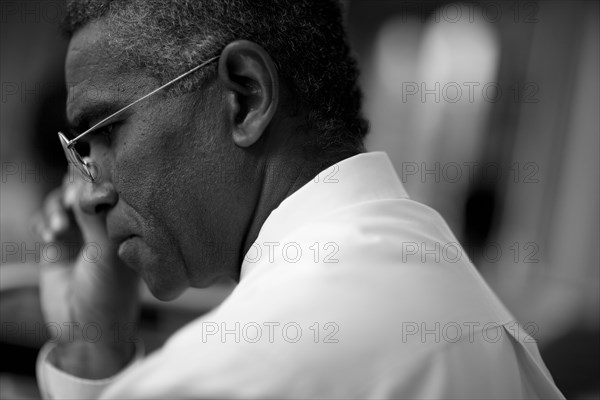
284 174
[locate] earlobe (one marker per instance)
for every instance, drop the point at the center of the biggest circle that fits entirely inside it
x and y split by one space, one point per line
250 76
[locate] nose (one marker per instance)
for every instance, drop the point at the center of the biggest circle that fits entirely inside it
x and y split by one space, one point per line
97 198
99 195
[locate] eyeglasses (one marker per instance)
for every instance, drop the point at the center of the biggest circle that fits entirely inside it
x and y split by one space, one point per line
85 166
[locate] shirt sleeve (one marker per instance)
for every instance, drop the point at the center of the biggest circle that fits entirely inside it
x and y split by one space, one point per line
57 384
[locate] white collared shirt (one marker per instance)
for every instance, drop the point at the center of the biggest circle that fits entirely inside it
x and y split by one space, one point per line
351 290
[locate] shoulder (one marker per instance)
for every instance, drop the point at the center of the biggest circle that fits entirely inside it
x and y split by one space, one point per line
345 306
396 256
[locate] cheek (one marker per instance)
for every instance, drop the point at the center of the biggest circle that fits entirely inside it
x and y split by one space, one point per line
170 175
141 161
155 176
149 193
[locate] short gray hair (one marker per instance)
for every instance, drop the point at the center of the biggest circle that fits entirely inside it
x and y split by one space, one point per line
305 38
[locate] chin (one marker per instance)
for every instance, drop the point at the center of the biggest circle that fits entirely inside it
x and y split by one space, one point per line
165 284
164 273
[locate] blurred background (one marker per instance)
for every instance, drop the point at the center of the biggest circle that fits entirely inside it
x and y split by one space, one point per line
489 111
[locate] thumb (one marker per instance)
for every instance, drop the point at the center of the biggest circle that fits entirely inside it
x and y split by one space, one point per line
92 226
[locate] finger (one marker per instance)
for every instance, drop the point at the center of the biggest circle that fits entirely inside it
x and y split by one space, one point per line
93 226
73 183
56 214
54 292
38 228
71 194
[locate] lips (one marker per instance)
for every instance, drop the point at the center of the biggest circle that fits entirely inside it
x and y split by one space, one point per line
119 228
123 232
119 238
126 246
124 243
129 252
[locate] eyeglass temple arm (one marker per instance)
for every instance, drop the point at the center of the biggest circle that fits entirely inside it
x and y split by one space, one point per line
143 98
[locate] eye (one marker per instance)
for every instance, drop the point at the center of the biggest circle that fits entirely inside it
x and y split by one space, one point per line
106 131
83 148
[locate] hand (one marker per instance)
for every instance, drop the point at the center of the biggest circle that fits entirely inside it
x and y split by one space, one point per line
92 297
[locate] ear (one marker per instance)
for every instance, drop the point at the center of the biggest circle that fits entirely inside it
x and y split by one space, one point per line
250 75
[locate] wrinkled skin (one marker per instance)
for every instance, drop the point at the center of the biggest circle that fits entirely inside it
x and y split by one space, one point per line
180 195
168 173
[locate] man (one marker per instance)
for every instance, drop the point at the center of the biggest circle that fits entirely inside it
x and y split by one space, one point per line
347 288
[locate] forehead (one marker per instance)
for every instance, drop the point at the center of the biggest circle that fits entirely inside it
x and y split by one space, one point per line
95 75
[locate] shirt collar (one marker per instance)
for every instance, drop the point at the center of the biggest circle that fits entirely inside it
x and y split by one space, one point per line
361 178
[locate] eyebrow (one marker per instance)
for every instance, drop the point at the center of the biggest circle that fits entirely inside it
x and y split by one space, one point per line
79 118
90 114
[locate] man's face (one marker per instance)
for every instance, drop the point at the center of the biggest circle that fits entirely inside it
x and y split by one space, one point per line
176 214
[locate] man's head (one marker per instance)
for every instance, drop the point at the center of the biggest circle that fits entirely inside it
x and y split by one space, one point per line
190 174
